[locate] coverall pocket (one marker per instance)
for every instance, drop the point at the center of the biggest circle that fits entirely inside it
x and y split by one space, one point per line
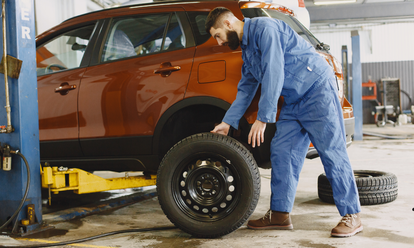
305 73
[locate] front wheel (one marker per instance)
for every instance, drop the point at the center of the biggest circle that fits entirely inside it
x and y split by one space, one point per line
208 185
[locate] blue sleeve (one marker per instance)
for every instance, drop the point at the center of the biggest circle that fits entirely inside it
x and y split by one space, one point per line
246 90
271 45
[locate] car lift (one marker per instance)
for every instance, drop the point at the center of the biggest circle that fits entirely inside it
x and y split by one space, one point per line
81 182
19 133
20 209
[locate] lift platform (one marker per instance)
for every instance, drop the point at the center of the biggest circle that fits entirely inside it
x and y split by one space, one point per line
57 179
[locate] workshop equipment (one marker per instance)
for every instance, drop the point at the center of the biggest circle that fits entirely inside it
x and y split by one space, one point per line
412 114
20 133
369 90
370 101
384 111
391 101
81 182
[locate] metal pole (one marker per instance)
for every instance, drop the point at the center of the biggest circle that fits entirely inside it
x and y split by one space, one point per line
9 127
25 136
357 84
345 72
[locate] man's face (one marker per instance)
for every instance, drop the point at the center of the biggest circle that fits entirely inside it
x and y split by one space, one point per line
226 37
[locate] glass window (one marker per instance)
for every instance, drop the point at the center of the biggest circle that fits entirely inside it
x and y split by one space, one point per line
64 52
141 35
174 38
197 21
302 31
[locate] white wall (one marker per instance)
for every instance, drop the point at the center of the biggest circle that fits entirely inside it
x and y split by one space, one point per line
49 13
379 42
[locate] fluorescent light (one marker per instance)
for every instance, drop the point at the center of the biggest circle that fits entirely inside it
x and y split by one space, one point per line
330 2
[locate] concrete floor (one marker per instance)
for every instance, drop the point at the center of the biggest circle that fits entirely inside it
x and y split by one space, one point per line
387 225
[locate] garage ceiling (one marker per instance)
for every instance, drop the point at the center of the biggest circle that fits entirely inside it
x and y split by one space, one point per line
341 11
359 11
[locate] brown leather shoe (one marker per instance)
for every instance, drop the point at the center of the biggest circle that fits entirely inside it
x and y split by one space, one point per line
272 220
348 226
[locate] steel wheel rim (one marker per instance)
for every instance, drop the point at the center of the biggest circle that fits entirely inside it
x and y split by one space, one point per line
206 187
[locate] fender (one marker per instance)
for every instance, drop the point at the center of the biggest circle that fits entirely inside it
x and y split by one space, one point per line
187 102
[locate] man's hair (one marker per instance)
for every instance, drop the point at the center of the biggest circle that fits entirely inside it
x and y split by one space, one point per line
214 16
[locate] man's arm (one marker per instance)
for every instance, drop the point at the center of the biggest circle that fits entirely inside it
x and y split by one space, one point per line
246 90
271 45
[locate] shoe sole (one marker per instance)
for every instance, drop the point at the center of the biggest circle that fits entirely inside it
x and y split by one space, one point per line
344 235
287 227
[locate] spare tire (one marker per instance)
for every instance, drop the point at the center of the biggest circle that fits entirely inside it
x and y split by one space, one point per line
374 187
208 185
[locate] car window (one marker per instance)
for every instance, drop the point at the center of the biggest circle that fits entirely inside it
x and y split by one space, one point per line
197 22
302 31
141 35
63 52
174 38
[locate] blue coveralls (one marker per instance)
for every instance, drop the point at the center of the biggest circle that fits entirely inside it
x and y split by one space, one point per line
276 57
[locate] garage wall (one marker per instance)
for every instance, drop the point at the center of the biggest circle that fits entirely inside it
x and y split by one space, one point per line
387 50
379 42
404 70
49 13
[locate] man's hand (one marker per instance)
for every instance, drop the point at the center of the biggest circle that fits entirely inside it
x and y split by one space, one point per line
222 128
256 134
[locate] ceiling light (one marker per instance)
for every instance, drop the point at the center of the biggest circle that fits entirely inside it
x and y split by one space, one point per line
330 2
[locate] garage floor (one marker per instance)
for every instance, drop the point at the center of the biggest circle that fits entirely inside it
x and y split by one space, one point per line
387 225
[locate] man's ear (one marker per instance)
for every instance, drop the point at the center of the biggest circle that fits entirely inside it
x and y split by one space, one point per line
227 24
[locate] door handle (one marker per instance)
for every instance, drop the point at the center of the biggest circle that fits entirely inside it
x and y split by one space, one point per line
64 88
166 69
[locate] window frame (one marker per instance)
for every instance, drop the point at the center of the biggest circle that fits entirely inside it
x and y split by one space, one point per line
194 26
107 25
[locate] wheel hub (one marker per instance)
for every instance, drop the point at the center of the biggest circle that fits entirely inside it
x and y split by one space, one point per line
207 189
207 185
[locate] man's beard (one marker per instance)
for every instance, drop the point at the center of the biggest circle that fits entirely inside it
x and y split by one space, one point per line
233 40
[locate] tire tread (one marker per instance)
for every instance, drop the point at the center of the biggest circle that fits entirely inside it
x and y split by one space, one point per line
250 161
380 189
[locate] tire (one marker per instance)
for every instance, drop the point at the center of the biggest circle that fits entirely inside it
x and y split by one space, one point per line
208 185
374 187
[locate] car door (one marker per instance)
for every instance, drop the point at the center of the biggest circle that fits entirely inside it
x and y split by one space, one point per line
142 68
60 69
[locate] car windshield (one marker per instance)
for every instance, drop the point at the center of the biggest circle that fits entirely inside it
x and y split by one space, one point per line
291 21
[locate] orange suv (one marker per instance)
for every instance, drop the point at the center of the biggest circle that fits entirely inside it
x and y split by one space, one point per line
137 88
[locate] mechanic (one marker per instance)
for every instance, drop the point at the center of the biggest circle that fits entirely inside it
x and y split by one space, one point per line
284 64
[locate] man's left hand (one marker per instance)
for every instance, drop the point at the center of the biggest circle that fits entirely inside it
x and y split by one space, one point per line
256 134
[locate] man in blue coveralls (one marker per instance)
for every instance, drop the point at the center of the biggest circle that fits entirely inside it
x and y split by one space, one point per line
284 64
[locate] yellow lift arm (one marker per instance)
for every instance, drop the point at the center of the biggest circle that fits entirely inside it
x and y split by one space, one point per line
82 182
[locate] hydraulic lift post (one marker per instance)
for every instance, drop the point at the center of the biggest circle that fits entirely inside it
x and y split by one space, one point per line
20 44
357 84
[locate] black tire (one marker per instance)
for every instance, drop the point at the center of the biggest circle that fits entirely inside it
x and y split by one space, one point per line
374 187
208 185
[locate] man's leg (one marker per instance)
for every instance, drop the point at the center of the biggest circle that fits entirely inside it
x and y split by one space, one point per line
288 151
323 119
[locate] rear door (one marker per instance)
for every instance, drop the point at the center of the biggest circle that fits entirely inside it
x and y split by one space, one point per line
141 69
60 67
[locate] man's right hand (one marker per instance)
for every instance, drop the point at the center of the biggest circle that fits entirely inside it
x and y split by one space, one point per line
222 128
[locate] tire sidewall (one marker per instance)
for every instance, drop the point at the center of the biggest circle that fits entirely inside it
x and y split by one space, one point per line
200 145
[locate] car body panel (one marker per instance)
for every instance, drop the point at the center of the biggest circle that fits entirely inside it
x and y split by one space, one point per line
58 114
128 98
123 116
